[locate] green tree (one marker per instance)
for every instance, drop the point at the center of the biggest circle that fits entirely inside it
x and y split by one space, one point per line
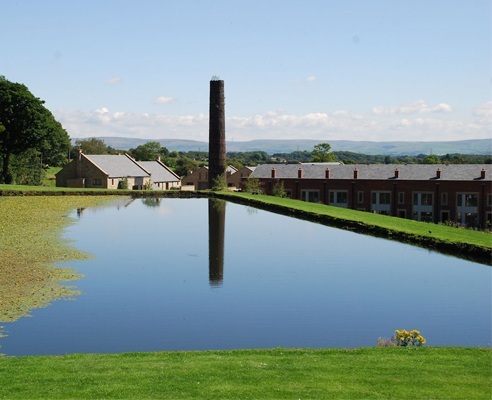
252 185
279 190
322 153
432 159
25 123
92 146
148 151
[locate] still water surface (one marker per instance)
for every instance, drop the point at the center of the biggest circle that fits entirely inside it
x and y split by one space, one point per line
194 274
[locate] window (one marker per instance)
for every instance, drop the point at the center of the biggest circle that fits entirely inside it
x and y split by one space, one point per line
381 197
339 199
422 209
489 200
311 196
97 182
422 199
467 209
380 202
467 199
360 197
444 199
425 216
401 198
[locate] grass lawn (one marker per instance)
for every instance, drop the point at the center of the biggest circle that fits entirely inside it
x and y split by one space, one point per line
379 373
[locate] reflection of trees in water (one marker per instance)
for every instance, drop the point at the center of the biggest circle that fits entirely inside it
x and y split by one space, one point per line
216 228
251 210
151 201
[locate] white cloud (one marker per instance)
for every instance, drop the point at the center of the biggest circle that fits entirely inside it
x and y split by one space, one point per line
484 111
114 80
308 79
335 125
417 107
163 100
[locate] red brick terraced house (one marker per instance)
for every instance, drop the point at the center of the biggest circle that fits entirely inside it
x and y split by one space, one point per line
430 192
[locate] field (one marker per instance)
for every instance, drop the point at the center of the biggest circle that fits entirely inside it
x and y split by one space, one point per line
378 373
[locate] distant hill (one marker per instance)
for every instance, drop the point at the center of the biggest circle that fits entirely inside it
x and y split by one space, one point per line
474 146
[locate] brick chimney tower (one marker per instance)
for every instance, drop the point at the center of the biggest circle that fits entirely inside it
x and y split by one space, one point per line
216 132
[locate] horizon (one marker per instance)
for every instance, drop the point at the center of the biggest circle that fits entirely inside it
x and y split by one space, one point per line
276 139
297 70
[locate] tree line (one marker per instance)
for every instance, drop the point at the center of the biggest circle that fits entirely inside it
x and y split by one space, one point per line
30 136
31 140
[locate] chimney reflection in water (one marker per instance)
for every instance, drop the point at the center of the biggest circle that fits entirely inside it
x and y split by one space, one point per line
216 227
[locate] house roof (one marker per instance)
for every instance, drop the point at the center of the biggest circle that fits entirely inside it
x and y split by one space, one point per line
454 172
117 165
159 172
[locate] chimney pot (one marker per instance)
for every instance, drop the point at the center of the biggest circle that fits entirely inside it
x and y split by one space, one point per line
356 173
397 173
482 173
438 174
273 172
327 173
299 173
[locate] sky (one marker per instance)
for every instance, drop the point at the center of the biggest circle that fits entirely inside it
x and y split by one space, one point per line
377 70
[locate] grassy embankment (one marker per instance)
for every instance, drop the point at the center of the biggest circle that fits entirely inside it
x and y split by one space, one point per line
467 243
29 244
379 372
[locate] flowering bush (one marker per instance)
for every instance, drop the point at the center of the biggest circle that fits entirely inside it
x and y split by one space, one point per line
404 338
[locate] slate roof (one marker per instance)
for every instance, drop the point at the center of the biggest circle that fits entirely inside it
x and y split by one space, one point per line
117 165
159 172
421 172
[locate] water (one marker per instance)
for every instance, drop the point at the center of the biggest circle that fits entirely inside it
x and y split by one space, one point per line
195 274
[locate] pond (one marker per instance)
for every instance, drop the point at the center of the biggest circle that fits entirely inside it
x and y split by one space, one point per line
196 274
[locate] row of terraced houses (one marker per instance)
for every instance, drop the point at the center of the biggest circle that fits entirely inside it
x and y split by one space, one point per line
434 193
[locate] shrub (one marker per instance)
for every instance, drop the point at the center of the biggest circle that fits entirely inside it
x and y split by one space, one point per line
384 342
252 185
219 183
123 184
404 338
279 190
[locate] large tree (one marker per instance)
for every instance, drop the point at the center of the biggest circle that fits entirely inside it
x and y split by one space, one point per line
26 124
148 151
322 153
92 146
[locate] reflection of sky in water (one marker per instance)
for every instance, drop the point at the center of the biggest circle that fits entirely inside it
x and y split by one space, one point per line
285 282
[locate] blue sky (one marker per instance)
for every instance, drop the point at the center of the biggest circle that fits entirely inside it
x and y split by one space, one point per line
377 70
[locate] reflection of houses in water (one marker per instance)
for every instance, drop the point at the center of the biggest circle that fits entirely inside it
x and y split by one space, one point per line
216 228
118 203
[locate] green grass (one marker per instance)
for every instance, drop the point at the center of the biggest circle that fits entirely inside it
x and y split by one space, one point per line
49 188
378 373
29 246
406 226
49 179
